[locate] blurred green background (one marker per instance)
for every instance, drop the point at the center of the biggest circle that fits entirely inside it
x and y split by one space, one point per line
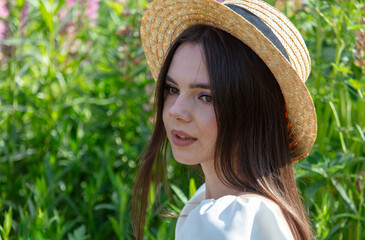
76 110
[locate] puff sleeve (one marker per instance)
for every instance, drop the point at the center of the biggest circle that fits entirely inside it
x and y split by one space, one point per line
234 218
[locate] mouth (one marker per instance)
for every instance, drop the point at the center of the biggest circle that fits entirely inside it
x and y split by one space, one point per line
181 134
182 139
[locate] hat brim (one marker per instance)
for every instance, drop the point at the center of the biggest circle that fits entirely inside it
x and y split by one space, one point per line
165 20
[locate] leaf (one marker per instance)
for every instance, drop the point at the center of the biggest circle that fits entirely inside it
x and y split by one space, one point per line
348 215
59 5
356 84
338 227
2 232
341 68
361 132
78 234
192 187
152 195
337 119
316 169
343 193
19 3
118 7
162 232
116 227
60 175
22 41
64 21
313 188
31 207
7 222
105 206
45 9
174 208
179 193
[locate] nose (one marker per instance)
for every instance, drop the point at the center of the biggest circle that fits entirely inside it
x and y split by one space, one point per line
180 109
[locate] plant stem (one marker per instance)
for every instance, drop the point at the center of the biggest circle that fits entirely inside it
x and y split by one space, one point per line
338 125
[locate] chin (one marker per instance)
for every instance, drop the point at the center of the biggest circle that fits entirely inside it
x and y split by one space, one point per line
189 160
185 161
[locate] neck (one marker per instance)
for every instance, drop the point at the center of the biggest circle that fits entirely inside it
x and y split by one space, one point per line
214 186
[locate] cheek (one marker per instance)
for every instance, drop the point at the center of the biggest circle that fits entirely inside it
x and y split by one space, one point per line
213 132
210 138
212 121
165 108
210 127
165 114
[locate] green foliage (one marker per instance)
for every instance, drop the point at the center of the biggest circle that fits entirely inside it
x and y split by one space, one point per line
6 228
335 196
70 97
76 112
332 177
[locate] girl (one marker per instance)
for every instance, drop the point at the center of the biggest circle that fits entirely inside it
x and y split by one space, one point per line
231 97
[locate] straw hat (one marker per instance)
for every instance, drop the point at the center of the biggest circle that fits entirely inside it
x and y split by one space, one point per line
261 27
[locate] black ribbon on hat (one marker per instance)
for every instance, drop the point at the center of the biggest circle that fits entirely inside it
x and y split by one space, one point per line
261 26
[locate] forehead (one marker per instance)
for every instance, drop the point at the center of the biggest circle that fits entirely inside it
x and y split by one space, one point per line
188 64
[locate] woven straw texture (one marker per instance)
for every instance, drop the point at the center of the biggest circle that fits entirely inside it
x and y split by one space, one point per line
165 20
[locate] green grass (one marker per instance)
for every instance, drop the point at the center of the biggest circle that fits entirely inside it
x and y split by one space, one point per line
75 113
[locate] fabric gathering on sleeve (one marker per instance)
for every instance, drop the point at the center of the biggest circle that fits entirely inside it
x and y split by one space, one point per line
231 217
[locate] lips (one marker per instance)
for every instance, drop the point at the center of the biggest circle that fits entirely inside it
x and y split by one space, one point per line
182 139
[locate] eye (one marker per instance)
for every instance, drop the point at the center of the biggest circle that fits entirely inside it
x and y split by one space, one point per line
171 90
206 98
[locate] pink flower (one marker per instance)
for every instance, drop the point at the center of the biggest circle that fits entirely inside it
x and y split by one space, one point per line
3 29
220 1
71 3
4 11
23 18
147 107
92 11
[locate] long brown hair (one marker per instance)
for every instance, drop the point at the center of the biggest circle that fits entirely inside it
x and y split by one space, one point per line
252 151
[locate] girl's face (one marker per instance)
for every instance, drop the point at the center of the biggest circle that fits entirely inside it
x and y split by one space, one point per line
188 112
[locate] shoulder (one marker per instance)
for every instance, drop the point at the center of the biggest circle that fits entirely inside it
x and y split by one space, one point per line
230 217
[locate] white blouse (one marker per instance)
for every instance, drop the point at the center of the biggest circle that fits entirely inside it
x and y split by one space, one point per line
232 218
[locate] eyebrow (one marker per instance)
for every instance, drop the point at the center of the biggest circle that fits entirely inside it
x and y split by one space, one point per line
192 85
